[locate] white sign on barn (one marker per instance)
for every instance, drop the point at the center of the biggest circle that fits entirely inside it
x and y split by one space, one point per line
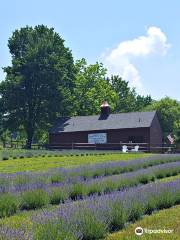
97 138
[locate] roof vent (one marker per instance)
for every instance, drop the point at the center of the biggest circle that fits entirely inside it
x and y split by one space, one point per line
105 109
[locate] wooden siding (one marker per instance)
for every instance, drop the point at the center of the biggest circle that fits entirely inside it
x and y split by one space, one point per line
155 133
113 136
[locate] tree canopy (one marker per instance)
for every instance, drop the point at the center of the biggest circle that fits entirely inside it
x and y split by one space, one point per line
39 84
128 100
169 115
91 88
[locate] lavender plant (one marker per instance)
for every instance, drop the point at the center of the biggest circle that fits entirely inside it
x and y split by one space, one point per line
38 194
112 211
8 205
28 180
94 217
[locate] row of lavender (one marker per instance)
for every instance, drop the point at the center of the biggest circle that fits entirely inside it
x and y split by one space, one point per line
30 180
16 154
93 218
62 192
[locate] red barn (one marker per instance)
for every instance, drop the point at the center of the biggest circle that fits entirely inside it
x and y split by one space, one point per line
107 129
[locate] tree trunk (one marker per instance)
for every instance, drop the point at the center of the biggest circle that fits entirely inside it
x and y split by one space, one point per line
30 133
29 142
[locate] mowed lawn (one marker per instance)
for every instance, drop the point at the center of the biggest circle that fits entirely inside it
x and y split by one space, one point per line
164 219
46 162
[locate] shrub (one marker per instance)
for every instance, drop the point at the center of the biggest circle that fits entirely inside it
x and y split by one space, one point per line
77 191
109 186
90 227
21 179
144 179
116 171
94 188
165 200
5 158
152 178
29 155
175 172
8 205
33 199
58 195
108 172
53 231
125 183
177 198
117 216
56 178
150 205
96 173
135 211
160 175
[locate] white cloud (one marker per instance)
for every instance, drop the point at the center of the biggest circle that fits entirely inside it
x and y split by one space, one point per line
120 59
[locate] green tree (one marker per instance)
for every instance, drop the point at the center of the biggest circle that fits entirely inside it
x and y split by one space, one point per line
92 88
177 130
128 99
39 84
142 102
126 96
169 114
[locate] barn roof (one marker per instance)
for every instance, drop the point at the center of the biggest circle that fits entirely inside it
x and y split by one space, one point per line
98 122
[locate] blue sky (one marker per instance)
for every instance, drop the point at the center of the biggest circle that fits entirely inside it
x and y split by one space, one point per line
139 40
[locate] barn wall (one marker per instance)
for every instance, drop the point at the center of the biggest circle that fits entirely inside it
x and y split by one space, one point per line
156 132
113 136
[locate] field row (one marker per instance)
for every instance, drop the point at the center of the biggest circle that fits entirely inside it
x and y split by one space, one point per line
41 197
46 162
21 154
95 217
15 221
29 180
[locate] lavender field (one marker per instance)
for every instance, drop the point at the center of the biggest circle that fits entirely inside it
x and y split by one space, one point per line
86 202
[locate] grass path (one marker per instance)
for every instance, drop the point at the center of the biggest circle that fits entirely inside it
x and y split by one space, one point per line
164 219
44 163
168 179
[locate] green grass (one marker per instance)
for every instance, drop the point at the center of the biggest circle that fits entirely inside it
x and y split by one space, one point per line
17 220
168 179
44 163
164 219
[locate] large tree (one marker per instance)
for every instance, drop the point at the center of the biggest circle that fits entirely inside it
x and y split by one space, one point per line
92 88
40 81
128 99
169 114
